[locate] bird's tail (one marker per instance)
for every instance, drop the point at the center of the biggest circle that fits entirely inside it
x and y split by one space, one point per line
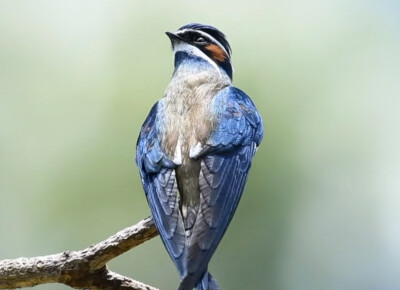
207 282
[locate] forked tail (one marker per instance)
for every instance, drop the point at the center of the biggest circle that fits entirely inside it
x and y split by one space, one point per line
207 282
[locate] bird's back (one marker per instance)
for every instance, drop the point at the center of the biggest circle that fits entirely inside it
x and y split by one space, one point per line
186 121
185 115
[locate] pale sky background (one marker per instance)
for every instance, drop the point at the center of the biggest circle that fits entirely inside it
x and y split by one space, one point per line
321 209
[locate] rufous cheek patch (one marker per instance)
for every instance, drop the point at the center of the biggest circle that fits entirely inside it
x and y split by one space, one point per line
216 52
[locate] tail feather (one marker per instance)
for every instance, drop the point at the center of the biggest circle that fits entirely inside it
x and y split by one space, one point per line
207 282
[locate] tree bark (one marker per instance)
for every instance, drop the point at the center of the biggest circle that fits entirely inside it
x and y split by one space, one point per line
80 269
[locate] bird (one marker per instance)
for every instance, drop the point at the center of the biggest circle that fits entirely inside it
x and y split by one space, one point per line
194 151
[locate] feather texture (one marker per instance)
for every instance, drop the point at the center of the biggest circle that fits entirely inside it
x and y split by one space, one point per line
224 160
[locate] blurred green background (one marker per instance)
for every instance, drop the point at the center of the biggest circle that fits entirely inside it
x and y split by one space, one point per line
321 209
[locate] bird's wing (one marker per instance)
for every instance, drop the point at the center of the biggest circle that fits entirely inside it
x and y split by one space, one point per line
225 163
157 174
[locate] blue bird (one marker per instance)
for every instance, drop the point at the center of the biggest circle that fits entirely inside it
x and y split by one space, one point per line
194 152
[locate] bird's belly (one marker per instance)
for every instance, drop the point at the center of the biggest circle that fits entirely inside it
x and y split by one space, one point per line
183 133
187 177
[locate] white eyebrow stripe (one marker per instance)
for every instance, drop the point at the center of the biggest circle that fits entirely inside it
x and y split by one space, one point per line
204 34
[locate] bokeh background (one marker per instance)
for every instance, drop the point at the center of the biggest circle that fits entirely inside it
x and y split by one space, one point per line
321 209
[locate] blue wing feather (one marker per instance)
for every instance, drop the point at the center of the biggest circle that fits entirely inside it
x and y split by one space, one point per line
159 183
225 161
240 123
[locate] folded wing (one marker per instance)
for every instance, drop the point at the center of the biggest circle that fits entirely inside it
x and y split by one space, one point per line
225 163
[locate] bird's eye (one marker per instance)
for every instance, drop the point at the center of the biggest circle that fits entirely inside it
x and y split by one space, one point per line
200 39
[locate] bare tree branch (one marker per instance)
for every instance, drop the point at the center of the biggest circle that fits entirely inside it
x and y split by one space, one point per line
80 269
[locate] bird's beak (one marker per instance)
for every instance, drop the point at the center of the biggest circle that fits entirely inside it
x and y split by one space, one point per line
174 37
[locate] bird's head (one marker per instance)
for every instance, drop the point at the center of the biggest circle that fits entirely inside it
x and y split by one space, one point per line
205 42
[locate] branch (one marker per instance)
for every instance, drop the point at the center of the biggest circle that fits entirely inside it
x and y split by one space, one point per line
80 269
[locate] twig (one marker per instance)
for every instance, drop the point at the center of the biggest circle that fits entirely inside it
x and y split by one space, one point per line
80 269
